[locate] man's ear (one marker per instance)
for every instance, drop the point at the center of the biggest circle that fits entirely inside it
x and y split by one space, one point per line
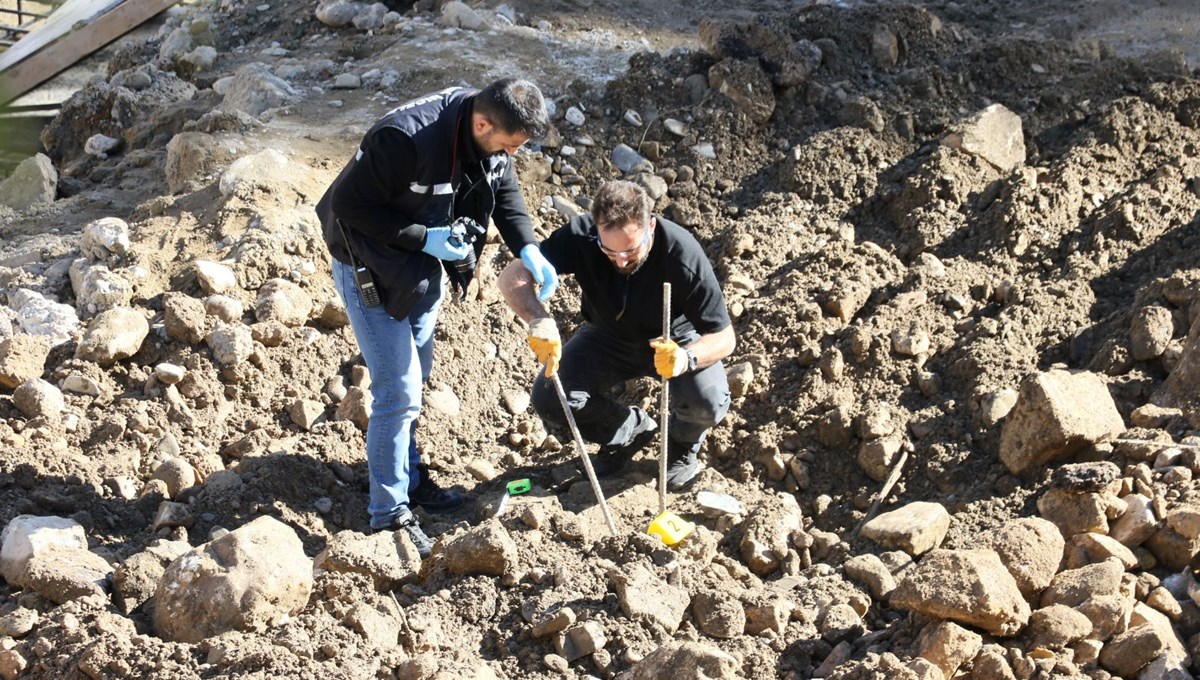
481 124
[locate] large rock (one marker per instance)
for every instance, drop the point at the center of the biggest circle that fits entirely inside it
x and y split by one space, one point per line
766 539
1057 626
338 13
787 61
192 156
283 301
968 586
644 596
1091 548
231 344
22 358
948 646
113 335
104 238
33 181
1128 652
246 580
1137 523
29 535
915 528
263 170
1074 586
1074 512
486 549
39 399
41 316
685 661
1030 548
98 288
255 89
1057 414
136 579
1150 332
61 574
719 614
993 134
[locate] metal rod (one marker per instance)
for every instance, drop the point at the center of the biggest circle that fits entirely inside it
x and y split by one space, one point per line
1165 445
23 13
662 407
14 29
891 480
583 454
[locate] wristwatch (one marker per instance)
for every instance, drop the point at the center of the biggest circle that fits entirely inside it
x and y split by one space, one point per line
691 357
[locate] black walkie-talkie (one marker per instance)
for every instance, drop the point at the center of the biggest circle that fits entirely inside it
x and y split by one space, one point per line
362 276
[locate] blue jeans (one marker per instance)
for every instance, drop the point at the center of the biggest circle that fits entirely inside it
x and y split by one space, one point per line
595 359
399 356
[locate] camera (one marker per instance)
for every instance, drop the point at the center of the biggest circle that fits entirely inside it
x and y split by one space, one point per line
465 230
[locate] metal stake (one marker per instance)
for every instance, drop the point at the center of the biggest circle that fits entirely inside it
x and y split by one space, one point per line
583 454
662 407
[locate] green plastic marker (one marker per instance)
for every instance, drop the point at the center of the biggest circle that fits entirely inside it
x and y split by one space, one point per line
514 488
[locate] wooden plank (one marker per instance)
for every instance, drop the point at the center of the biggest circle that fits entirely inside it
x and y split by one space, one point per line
73 45
59 23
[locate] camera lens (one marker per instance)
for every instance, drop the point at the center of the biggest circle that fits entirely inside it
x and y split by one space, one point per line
467 264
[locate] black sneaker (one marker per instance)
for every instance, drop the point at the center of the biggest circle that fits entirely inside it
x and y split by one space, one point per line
610 460
682 465
406 521
433 498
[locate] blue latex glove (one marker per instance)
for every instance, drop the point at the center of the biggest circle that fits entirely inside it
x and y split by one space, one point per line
438 244
541 269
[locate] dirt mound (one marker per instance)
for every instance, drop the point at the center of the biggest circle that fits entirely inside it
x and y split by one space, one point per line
894 275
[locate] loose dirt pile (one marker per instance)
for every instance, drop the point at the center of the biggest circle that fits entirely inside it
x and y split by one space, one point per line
954 248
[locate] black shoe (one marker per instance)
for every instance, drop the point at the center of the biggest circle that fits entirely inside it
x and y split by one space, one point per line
682 465
433 498
406 521
610 460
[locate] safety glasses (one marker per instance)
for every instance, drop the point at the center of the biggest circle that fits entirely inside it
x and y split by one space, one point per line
622 253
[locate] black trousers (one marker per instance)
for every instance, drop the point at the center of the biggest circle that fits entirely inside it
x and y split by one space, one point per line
595 359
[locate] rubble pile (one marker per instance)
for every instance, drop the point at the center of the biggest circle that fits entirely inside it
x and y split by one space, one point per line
964 434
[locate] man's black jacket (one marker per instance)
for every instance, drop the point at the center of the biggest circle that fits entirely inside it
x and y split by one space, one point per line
418 167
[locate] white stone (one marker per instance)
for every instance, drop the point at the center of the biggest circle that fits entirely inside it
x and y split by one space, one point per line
214 277
169 374
915 528
38 315
105 238
574 116
28 535
99 145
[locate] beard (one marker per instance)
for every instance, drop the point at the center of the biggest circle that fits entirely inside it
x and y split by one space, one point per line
632 268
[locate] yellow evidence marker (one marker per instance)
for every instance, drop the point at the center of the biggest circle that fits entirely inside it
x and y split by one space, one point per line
671 528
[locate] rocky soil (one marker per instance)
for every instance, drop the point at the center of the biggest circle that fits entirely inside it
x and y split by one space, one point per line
958 242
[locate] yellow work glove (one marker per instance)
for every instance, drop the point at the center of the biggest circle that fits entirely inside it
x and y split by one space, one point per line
670 359
546 344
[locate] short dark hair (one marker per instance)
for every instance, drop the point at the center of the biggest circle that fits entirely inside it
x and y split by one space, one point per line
515 106
619 202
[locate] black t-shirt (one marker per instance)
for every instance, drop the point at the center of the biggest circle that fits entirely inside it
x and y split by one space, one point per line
631 306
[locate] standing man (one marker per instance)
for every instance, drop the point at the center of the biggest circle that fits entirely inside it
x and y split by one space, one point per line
621 255
404 214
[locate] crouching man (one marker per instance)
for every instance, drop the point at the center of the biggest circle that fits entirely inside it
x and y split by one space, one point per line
621 255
